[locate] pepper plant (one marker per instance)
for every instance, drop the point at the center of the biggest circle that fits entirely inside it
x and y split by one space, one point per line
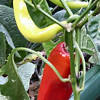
35 21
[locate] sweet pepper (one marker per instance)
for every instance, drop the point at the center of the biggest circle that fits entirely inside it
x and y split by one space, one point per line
51 87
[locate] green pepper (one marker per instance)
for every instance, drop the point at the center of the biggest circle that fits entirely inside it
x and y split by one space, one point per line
72 4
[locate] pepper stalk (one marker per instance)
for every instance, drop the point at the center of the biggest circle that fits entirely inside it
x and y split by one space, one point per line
70 41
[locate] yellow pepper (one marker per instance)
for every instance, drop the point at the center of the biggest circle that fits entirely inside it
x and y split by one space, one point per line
72 4
28 28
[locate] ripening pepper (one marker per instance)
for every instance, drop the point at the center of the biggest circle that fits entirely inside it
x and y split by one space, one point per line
27 26
71 3
51 87
30 30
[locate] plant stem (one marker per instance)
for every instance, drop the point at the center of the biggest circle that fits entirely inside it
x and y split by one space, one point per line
54 9
50 17
72 18
77 96
84 66
53 68
86 18
66 7
45 13
84 13
88 51
45 60
2 70
72 65
10 1
90 1
77 57
96 51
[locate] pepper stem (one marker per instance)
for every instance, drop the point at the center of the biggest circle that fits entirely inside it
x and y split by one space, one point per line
66 7
84 66
43 12
45 60
84 13
70 44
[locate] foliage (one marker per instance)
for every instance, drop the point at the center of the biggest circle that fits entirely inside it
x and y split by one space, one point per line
18 77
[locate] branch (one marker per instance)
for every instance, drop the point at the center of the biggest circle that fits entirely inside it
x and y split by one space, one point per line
43 12
84 66
45 60
66 7
84 13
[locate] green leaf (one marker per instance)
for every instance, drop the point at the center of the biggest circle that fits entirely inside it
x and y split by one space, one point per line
9 28
7 36
40 19
25 72
8 22
86 41
2 49
3 80
92 91
94 29
48 46
4 2
88 44
7 2
3 97
60 15
88 51
36 46
92 83
14 88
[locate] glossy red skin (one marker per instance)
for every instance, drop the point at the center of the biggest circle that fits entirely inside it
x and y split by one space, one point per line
51 87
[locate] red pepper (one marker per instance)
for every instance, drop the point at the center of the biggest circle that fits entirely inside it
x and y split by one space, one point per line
51 87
